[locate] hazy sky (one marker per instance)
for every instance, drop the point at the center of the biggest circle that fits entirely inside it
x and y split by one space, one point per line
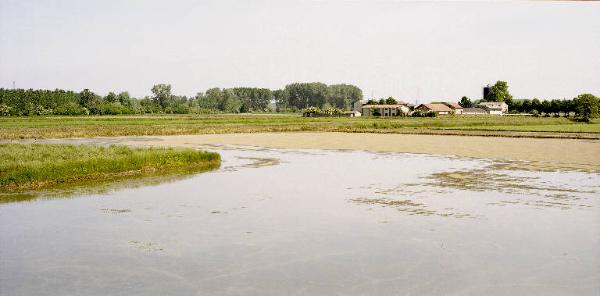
431 50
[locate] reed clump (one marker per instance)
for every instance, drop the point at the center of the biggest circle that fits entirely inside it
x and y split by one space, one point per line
40 166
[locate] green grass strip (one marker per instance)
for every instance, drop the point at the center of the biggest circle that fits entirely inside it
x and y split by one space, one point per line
94 126
37 166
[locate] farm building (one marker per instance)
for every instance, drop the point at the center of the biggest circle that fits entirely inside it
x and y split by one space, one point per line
495 108
385 110
454 106
352 113
440 109
358 105
473 111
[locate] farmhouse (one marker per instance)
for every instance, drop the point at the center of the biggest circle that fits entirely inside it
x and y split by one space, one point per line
458 109
385 110
366 109
358 105
440 109
495 108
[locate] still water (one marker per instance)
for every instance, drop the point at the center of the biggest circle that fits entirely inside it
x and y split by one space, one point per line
310 222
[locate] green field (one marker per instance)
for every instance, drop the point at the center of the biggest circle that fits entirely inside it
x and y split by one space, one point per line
40 166
92 126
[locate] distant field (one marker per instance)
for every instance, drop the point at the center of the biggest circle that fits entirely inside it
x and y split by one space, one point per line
92 126
35 166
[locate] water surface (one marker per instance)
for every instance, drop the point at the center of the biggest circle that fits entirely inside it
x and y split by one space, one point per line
311 222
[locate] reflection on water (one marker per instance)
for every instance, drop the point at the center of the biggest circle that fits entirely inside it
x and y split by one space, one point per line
255 162
116 211
279 222
486 180
540 203
91 188
145 246
409 207
554 193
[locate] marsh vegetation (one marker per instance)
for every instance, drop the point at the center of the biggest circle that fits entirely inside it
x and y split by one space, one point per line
40 166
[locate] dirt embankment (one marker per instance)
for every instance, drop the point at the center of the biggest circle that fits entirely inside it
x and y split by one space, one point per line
569 154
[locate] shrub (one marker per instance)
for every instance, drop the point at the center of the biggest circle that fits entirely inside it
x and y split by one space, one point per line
177 109
586 106
316 112
5 110
418 113
40 110
113 109
71 108
310 111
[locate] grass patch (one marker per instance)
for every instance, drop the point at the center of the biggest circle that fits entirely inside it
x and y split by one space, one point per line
40 166
94 126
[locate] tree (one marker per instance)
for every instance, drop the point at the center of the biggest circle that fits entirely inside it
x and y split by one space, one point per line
536 105
555 106
253 99
230 103
499 93
111 97
281 97
465 102
586 106
224 100
569 106
211 99
526 106
90 101
304 95
546 107
391 101
162 94
86 98
124 98
343 96
516 106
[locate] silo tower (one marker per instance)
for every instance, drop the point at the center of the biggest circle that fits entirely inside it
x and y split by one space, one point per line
486 91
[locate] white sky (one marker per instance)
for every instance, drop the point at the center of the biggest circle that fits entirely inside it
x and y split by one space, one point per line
434 50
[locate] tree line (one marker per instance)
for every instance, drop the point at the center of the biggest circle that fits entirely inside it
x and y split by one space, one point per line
585 106
298 96
293 97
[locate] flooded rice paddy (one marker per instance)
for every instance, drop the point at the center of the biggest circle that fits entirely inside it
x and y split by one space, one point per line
312 222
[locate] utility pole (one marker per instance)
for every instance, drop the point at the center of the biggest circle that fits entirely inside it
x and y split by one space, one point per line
13 84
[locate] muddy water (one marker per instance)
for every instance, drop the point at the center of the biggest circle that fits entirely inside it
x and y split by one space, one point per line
310 222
